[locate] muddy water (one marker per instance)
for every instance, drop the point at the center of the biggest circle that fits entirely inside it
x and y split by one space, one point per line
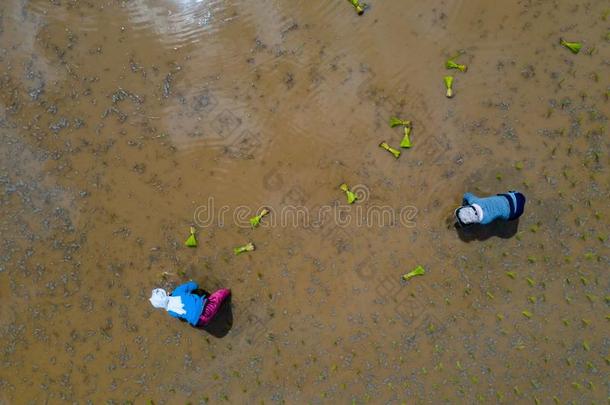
123 123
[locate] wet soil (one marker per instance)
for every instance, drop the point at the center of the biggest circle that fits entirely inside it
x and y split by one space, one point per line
125 122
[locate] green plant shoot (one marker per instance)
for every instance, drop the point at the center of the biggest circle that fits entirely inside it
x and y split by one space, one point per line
406 140
358 6
449 85
351 197
418 271
395 152
191 241
256 220
451 64
249 247
395 122
572 46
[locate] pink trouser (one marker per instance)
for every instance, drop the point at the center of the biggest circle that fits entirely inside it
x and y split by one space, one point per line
212 306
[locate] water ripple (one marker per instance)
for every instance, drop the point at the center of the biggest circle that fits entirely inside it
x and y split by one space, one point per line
176 23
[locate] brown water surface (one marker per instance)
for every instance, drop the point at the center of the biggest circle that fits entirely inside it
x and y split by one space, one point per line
125 122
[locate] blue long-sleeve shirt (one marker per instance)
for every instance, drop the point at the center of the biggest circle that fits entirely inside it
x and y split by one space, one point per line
502 206
193 303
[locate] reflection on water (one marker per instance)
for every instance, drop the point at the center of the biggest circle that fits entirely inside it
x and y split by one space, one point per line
176 23
121 121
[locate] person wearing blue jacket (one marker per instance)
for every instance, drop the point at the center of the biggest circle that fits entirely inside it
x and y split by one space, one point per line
485 210
189 303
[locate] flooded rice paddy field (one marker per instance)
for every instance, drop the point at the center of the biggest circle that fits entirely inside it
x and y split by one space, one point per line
125 122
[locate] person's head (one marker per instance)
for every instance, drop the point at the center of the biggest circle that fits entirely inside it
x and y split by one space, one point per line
159 298
469 214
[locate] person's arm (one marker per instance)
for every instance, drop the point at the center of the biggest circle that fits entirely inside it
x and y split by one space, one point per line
468 199
185 288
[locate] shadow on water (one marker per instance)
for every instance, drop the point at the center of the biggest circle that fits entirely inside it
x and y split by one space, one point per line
222 322
501 229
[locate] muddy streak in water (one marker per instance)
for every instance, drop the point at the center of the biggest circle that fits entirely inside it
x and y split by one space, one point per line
123 123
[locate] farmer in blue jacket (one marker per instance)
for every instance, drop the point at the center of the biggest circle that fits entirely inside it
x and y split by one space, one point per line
485 210
189 303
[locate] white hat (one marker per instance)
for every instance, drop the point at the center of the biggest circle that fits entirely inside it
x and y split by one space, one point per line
470 214
159 298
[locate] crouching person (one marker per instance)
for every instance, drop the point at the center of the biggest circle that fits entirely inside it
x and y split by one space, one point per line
189 303
485 210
